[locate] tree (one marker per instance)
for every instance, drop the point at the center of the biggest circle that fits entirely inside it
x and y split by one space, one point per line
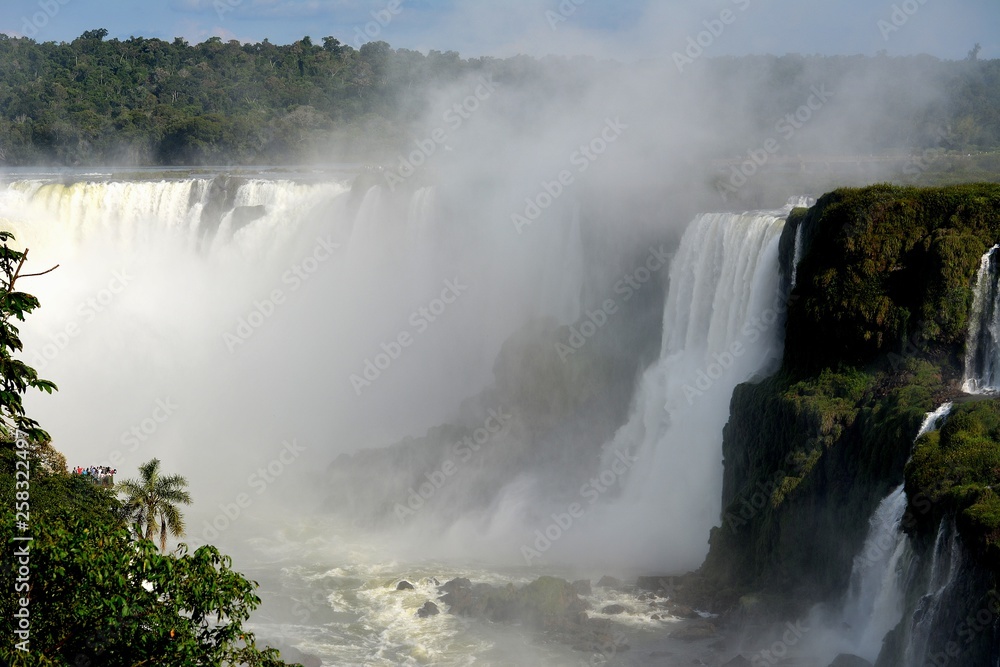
154 497
99 598
333 45
974 53
98 34
16 376
93 595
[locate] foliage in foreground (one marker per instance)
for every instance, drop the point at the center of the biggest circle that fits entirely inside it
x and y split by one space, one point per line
99 598
76 584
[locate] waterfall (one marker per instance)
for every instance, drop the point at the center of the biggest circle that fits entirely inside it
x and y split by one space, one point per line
945 564
882 570
875 602
722 323
932 420
982 348
251 216
800 241
798 255
252 301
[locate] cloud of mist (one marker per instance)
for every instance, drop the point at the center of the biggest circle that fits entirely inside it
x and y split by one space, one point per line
398 245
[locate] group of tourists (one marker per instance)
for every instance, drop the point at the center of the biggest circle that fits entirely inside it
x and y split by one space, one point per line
103 475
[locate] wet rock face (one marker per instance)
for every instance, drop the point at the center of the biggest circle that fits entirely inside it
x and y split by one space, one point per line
429 609
404 586
582 587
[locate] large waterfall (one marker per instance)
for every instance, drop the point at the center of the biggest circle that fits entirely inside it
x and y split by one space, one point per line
259 305
722 324
247 330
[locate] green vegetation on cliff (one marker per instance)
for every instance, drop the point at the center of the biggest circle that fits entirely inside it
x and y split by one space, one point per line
875 338
889 271
957 469
805 458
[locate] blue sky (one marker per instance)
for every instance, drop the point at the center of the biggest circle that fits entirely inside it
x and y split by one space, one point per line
625 29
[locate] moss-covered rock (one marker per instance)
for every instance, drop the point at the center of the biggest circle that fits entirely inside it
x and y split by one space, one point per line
886 265
874 339
958 469
806 463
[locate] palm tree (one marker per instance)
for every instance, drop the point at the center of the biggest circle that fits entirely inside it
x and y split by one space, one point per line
153 497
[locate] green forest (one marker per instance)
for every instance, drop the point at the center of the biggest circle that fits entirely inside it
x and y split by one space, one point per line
150 102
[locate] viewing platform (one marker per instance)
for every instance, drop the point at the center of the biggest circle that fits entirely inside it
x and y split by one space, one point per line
99 475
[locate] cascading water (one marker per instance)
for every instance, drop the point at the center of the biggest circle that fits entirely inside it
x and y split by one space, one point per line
886 565
208 320
932 420
878 581
945 565
875 602
982 349
205 287
797 256
721 325
882 570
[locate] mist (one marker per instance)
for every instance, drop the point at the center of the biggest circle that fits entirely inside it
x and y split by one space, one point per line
312 346
523 202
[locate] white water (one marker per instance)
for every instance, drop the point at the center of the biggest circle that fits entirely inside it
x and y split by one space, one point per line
154 274
798 255
982 348
194 272
874 604
944 566
932 420
330 592
722 322
796 202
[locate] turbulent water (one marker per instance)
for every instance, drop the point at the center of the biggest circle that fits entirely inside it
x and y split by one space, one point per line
247 329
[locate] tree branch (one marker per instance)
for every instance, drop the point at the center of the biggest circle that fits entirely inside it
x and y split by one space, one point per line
32 275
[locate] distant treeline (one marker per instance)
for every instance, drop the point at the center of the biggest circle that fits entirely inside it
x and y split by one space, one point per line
151 102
